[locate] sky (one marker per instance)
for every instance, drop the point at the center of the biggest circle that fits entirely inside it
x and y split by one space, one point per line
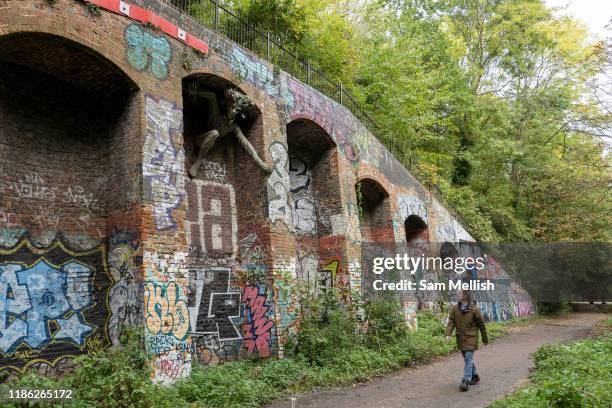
595 14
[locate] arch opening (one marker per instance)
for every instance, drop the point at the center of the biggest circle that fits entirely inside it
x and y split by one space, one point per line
69 163
416 229
226 196
315 198
224 178
374 212
69 117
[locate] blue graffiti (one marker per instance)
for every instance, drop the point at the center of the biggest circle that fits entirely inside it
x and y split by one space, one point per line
145 51
261 75
33 297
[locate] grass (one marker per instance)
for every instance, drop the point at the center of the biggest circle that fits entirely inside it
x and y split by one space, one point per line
329 352
569 376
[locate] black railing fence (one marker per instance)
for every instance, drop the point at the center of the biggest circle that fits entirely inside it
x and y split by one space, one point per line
219 17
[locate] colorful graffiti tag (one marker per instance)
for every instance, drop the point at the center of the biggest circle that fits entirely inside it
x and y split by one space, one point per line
145 51
258 325
165 312
53 303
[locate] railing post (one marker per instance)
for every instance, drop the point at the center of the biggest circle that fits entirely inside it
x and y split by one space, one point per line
341 92
216 15
308 73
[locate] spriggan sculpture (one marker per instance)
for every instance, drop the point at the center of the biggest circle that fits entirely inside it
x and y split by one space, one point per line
239 106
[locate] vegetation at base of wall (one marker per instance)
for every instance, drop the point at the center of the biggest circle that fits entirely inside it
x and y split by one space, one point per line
569 376
333 349
110 378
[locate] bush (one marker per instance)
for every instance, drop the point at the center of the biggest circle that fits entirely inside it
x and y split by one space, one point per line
554 308
386 324
431 323
568 376
327 326
112 378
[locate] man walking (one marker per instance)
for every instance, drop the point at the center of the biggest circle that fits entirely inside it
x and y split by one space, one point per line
466 318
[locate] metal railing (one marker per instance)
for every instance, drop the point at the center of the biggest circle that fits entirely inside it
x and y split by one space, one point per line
216 16
220 18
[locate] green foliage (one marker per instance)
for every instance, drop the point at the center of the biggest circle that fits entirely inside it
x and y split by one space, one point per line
327 325
494 100
431 323
568 376
386 324
284 18
112 378
554 308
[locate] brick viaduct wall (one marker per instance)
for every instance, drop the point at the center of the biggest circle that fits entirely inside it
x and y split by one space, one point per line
101 227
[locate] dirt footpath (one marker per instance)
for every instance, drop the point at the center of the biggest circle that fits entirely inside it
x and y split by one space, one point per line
502 365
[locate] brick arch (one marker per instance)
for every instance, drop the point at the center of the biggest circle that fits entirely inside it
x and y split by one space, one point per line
416 229
376 180
375 215
222 71
69 115
76 29
227 173
66 60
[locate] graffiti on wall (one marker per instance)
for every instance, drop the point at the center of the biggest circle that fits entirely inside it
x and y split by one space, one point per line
329 272
49 204
258 325
125 298
210 223
166 318
279 185
260 74
299 174
302 197
165 311
166 315
215 172
164 159
291 197
508 300
304 215
307 266
53 303
10 236
213 304
408 205
147 52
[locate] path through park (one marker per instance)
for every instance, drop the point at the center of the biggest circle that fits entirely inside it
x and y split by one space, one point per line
503 365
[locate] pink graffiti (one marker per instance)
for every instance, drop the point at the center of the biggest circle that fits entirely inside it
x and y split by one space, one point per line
168 368
258 327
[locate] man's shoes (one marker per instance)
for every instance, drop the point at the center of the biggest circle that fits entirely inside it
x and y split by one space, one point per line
464 385
475 379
